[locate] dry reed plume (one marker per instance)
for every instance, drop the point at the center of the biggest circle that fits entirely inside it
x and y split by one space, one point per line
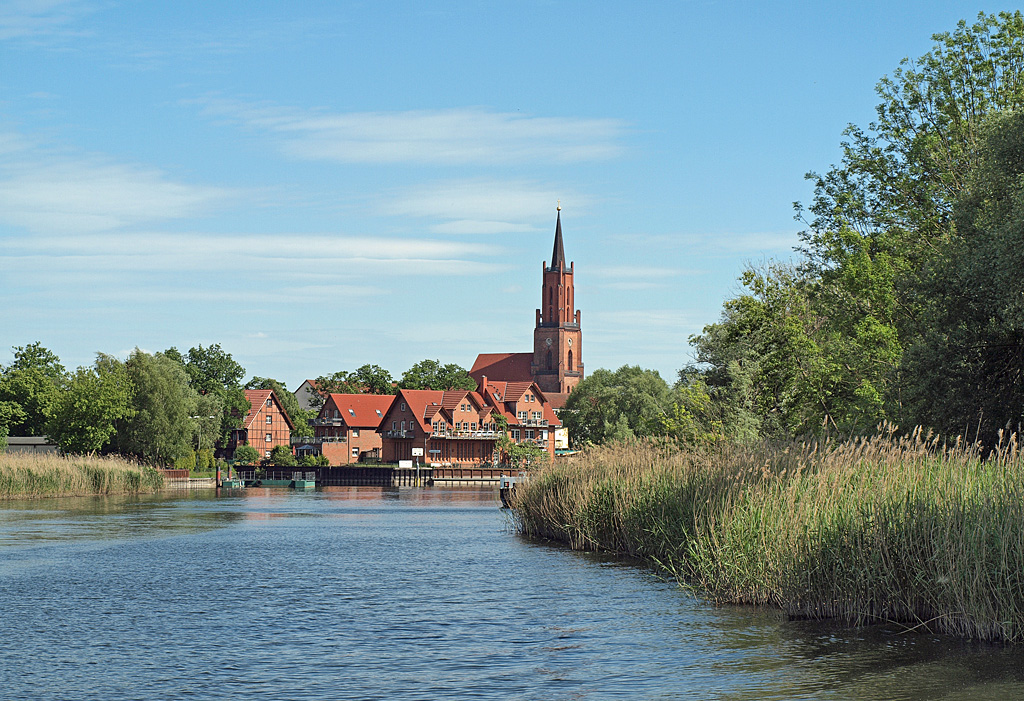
876 529
47 475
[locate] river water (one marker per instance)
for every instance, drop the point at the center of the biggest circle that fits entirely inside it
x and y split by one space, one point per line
370 593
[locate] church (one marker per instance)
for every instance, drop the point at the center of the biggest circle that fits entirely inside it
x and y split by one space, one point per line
556 363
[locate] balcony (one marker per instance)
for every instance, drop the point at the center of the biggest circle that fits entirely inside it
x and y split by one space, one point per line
473 435
300 440
327 422
543 423
399 434
538 442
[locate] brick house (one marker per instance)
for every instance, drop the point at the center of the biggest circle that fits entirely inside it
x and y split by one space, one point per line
266 426
460 427
346 427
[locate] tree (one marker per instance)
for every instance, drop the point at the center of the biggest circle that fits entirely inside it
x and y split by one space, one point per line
367 379
300 417
282 456
606 406
430 374
246 455
85 414
964 373
160 428
881 216
28 387
213 372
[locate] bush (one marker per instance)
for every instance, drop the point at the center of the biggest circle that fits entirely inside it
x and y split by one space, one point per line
314 460
282 456
246 455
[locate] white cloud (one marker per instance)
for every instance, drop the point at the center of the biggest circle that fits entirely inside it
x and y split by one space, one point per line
49 194
34 18
456 136
291 256
486 206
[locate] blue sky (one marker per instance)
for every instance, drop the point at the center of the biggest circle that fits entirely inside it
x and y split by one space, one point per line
319 185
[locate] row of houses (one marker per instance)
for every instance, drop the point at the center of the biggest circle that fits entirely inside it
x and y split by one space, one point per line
518 395
454 427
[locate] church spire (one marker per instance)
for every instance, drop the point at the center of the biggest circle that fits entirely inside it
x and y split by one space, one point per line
558 253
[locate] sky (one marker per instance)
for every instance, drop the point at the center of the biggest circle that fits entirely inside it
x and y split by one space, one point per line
320 185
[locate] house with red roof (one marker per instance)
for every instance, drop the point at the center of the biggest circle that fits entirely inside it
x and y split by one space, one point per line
265 426
460 427
345 430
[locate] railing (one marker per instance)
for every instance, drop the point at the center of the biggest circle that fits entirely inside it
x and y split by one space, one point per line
399 434
327 422
479 435
539 442
533 422
299 440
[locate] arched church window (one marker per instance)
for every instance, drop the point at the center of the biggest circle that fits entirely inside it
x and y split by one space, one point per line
549 360
570 361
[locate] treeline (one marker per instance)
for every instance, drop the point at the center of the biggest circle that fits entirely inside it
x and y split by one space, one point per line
161 408
905 303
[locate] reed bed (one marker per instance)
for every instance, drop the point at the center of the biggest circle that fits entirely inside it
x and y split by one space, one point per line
47 475
877 529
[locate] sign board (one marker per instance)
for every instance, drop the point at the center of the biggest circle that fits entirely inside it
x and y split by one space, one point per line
435 450
417 452
405 463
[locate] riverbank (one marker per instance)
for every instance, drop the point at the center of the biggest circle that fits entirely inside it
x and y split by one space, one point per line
48 475
866 531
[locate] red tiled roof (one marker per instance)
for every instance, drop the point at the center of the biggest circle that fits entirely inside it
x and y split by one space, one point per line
418 401
257 398
505 367
360 410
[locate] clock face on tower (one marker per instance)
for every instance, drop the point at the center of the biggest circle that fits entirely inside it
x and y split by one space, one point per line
569 341
547 341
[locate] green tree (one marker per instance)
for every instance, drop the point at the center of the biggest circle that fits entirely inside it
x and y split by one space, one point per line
85 414
28 387
282 456
213 372
367 379
246 455
160 428
430 374
963 375
629 402
880 217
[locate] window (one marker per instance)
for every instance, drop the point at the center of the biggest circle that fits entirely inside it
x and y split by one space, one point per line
529 433
543 435
380 414
270 437
270 419
355 452
403 425
355 433
515 434
266 454
394 425
351 411
403 406
270 401
474 426
521 415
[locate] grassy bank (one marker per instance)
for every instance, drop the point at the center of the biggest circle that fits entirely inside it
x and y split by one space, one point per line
872 530
29 475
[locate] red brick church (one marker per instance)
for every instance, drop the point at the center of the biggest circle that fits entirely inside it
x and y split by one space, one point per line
556 363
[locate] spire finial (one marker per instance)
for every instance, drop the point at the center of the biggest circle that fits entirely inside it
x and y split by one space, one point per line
559 207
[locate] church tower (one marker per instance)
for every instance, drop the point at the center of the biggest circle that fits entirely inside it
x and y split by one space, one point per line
557 364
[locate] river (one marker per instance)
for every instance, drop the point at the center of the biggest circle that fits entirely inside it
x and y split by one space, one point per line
370 593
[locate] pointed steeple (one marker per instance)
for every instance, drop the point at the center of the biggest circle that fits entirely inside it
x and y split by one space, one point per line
558 253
